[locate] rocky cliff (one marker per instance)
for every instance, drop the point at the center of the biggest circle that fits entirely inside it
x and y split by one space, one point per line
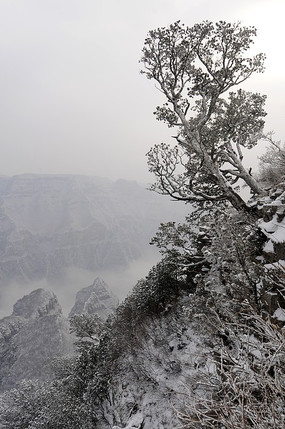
29 338
37 332
95 299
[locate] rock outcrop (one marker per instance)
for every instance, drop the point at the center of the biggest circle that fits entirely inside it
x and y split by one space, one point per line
35 333
95 299
272 223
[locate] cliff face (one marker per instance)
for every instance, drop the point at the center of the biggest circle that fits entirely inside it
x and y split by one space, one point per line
48 223
95 299
35 333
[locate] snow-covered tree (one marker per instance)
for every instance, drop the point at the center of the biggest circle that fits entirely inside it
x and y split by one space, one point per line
195 69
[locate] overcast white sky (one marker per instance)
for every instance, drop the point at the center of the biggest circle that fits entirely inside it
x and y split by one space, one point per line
72 99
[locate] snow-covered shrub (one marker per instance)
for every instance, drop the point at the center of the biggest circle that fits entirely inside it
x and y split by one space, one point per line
61 403
220 247
232 256
19 407
247 389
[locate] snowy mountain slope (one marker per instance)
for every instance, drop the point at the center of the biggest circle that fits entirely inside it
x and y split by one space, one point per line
184 358
158 376
199 360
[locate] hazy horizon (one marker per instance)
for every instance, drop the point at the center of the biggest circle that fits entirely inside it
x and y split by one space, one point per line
73 100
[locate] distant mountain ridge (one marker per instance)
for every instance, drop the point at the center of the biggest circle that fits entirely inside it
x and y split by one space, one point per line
49 222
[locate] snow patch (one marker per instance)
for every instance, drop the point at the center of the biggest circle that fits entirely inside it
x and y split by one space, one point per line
279 314
274 230
135 422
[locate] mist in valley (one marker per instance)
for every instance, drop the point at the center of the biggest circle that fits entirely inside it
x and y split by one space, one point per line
119 280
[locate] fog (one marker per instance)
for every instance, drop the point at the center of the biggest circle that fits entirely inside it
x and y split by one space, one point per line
120 281
72 98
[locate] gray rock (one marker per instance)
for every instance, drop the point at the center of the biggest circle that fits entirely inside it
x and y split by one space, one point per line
95 299
37 332
31 337
38 303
